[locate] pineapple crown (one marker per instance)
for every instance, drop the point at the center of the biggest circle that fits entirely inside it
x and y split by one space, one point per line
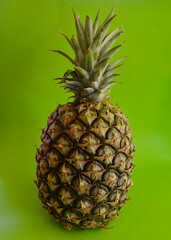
92 76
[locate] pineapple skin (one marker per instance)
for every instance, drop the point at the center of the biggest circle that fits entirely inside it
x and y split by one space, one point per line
84 164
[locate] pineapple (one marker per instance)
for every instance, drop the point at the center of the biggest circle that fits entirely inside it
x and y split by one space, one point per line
85 160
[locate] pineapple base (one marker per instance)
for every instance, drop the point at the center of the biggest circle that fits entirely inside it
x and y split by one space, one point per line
84 164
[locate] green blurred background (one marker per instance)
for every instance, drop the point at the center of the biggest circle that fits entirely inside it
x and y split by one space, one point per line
28 94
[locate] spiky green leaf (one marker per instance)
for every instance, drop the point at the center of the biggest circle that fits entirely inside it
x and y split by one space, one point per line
97 41
102 65
106 20
111 52
87 91
95 85
104 29
68 40
81 72
80 34
109 78
77 50
65 55
97 96
81 25
96 76
108 45
115 62
75 83
109 36
72 87
90 60
108 85
96 23
88 32
111 71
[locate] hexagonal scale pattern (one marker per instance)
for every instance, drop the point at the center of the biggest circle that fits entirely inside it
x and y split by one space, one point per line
84 164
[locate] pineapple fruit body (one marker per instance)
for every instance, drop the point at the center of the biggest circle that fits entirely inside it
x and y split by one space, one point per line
84 164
